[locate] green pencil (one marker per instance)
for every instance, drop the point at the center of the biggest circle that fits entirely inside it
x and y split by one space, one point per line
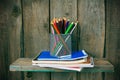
69 28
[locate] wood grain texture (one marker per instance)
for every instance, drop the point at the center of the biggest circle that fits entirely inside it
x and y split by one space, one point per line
113 37
63 76
65 8
89 76
91 16
60 9
36 30
10 26
36 26
45 76
3 42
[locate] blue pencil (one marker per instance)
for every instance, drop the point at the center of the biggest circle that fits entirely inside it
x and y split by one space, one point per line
67 23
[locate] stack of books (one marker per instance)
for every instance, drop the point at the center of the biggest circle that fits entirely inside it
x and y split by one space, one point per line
76 61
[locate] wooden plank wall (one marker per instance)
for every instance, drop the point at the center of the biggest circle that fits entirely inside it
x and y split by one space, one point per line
112 47
91 15
10 30
36 30
24 32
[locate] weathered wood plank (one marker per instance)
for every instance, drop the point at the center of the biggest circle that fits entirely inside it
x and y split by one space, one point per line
45 76
91 16
63 76
25 64
65 8
3 41
36 26
10 26
89 76
15 35
112 37
36 29
60 9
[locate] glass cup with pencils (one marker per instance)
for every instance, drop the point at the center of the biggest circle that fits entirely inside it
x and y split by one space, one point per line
60 37
58 47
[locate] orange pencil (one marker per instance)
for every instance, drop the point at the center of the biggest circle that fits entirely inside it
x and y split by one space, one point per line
55 26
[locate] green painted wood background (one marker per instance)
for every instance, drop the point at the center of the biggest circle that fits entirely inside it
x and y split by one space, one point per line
24 32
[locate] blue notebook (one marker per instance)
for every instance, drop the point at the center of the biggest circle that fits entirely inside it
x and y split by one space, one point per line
45 55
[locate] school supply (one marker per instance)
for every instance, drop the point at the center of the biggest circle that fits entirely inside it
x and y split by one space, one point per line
62 26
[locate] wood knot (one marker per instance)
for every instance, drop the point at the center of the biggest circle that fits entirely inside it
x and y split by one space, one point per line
16 11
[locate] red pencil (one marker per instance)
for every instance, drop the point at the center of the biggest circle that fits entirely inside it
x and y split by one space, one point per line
55 26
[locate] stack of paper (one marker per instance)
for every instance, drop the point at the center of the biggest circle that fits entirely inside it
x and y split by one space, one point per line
76 62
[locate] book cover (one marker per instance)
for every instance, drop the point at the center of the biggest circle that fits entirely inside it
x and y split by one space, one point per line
88 63
61 67
60 61
45 55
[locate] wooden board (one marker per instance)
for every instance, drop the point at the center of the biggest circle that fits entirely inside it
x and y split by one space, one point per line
113 37
65 8
3 42
91 16
60 9
36 29
89 76
10 27
25 64
64 76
